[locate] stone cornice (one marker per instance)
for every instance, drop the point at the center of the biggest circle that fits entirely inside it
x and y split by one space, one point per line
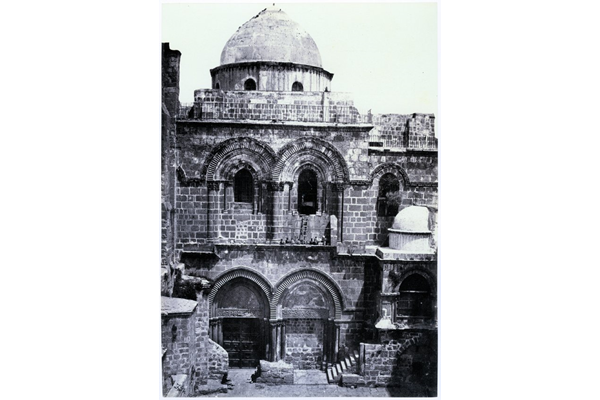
268 64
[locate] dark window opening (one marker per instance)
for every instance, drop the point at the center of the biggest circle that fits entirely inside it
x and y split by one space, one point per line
250 84
173 333
217 86
297 87
415 298
388 198
243 186
307 192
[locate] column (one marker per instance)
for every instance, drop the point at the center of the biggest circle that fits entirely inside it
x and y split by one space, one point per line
213 330
278 355
273 354
220 332
212 210
338 189
277 342
282 340
336 346
275 212
329 341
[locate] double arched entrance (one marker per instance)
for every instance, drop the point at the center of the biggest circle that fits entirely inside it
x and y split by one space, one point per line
295 320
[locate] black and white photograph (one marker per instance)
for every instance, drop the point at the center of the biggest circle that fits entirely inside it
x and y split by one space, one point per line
299 200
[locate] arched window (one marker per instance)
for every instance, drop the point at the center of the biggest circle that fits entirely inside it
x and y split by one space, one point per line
250 84
415 298
307 192
389 196
297 87
217 86
243 186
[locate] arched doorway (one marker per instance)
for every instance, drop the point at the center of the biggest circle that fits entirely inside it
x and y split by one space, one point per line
240 316
307 311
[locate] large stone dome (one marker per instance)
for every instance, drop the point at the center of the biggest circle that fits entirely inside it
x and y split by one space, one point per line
271 36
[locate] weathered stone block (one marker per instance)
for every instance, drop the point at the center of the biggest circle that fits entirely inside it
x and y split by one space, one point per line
275 373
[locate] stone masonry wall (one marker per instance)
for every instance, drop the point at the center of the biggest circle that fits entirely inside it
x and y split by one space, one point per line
218 361
408 358
212 360
304 343
355 275
189 350
181 348
170 107
267 219
331 107
411 131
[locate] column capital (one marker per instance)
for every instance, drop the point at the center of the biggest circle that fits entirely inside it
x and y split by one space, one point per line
213 185
338 186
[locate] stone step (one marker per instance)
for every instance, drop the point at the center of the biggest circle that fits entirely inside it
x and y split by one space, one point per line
343 365
329 375
349 362
353 360
338 369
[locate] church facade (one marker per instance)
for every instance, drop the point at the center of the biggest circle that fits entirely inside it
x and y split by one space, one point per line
294 229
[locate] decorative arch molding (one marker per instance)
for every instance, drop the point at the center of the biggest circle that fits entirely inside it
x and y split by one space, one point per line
390 168
418 271
317 169
229 170
240 272
332 288
251 150
293 153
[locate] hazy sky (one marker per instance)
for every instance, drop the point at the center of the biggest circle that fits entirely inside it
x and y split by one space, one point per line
383 53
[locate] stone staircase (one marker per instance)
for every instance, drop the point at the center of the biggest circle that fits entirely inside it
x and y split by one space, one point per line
349 365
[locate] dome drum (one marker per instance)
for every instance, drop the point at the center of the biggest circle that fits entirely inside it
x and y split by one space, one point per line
271 76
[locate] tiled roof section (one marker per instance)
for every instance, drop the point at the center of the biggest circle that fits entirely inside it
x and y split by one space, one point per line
173 305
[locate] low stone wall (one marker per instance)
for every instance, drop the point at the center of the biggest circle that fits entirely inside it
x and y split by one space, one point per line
218 361
275 373
407 359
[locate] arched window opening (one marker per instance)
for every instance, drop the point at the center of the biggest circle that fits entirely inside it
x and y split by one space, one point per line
250 84
415 298
243 186
388 198
307 192
297 87
217 86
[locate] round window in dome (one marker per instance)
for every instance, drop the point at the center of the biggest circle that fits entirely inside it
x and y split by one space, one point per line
250 84
297 87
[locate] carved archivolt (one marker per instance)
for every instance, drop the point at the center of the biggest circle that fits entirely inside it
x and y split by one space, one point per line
400 277
252 276
390 168
323 155
332 288
235 151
